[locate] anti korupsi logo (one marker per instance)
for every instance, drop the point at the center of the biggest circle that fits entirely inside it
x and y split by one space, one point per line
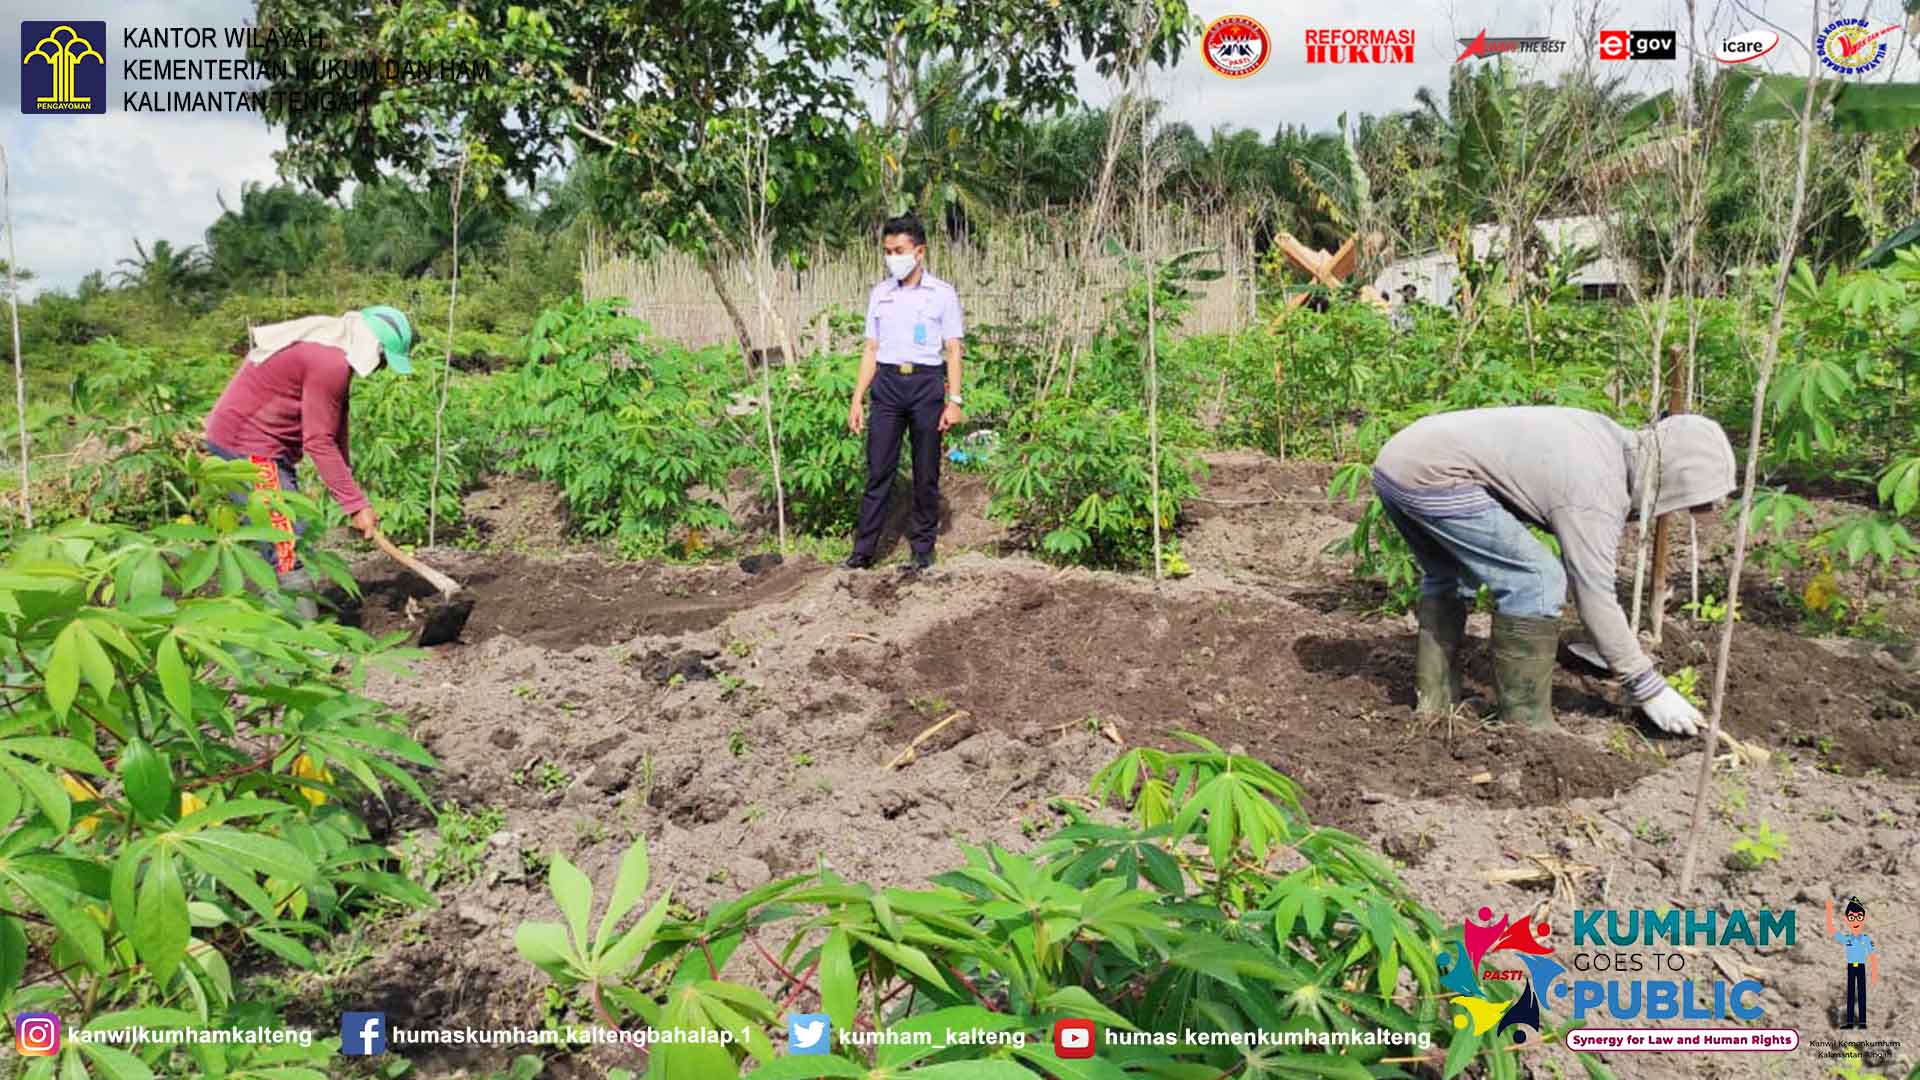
1637 44
1484 46
1359 46
1852 46
63 67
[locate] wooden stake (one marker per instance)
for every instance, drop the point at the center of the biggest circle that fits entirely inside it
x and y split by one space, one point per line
1769 354
19 372
446 375
1663 525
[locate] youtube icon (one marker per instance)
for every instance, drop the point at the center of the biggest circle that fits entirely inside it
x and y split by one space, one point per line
1072 1039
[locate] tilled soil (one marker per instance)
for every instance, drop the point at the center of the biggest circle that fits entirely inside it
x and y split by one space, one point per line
742 720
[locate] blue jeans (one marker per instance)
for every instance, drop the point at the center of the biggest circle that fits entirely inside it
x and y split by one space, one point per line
271 474
1491 548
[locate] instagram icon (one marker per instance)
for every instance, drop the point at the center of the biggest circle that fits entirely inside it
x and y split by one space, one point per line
36 1034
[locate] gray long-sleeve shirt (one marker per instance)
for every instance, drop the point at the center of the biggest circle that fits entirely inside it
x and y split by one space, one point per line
1571 472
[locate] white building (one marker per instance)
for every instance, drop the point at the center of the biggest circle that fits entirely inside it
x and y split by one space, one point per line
1433 274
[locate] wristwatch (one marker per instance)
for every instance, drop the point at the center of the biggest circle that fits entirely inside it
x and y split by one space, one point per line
954 399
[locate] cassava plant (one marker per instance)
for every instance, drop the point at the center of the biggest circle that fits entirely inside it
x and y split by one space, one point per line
1074 480
1171 918
626 425
183 770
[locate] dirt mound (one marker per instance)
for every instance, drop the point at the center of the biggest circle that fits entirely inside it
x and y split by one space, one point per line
1324 700
1850 715
742 721
580 600
513 513
1265 522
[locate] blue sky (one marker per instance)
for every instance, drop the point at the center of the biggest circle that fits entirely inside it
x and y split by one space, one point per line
84 187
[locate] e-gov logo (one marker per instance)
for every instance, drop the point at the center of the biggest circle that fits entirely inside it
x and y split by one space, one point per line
63 67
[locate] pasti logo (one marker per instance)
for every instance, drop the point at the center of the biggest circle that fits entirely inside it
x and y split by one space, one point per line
1236 46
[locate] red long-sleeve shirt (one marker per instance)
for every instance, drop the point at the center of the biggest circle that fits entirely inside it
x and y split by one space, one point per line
294 402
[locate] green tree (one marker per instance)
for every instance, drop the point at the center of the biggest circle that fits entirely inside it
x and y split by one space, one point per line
396 226
176 275
997 59
275 230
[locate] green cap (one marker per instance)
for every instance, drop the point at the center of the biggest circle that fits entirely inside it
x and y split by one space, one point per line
395 334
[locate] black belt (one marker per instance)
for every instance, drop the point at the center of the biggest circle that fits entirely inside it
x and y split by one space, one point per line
1856 963
912 369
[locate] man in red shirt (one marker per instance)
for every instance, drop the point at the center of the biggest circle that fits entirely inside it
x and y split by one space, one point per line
290 397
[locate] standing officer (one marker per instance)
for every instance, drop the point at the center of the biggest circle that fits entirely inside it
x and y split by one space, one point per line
913 334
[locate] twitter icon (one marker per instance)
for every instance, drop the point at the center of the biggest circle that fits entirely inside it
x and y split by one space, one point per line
809 1033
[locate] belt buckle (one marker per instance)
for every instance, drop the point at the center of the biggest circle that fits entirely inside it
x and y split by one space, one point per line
906 369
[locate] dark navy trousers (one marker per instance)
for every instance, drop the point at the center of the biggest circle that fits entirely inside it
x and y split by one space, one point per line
903 405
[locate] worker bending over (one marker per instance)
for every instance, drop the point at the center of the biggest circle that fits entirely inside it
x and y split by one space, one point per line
290 397
1463 486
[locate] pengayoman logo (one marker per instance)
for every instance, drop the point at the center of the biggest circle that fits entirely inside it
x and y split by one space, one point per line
63 67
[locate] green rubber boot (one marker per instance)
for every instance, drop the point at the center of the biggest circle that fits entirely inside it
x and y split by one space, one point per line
1523 650
298 584
1436 660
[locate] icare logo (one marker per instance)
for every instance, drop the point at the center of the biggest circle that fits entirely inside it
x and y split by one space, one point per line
1072 1039
1751 45
36 1034
1638 44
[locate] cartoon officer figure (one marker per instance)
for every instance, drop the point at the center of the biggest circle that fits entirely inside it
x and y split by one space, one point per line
1863 960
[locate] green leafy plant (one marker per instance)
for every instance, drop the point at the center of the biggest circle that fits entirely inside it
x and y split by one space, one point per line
392 452
182 769
1074 482
823 464
1181 902
1758 847
1708 609
1686 682
627 426
1379 552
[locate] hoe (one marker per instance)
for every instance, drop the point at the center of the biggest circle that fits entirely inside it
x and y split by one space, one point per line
444 618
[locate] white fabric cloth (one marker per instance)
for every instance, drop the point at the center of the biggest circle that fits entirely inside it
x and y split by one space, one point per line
347 332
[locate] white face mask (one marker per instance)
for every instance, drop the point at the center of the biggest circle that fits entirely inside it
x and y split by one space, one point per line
901 265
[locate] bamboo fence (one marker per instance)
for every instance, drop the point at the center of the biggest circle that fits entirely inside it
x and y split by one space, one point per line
1016 282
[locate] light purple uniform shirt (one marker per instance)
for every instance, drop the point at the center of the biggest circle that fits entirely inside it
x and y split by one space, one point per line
913 324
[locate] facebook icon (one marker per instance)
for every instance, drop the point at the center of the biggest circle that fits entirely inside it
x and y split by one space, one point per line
363 1034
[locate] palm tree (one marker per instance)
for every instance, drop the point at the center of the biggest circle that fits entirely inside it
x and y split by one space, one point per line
394 226
276 229
175 275
952 168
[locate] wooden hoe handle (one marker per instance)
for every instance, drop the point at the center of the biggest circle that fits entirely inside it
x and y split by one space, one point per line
438 580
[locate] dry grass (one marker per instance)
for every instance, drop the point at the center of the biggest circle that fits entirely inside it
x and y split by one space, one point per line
1020 282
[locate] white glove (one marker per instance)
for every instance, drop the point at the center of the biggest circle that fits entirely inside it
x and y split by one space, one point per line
1671 712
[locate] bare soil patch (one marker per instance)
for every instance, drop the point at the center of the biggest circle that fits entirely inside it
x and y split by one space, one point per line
578 600
742 720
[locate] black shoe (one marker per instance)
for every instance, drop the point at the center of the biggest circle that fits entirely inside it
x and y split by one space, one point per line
857 561
920 560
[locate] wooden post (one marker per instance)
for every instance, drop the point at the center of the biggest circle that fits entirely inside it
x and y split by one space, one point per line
1662 526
